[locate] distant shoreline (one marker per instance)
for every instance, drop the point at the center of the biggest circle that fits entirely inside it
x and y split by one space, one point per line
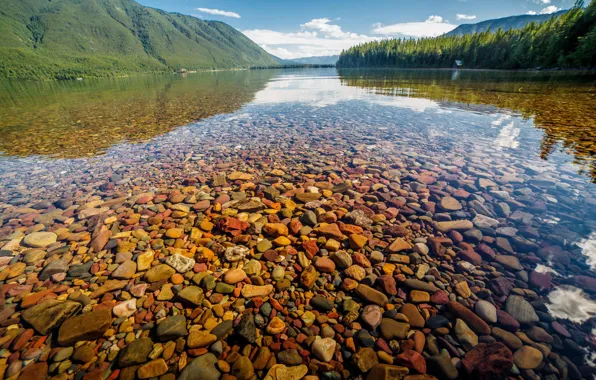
289 67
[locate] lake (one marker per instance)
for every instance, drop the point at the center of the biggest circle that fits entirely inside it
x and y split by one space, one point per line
510 156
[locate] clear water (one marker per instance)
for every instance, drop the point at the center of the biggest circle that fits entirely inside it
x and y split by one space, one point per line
532 134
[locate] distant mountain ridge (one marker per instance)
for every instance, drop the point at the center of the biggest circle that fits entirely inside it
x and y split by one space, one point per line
72 38
505 23
318 60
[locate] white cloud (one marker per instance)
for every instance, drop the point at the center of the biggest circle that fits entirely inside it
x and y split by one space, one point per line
218 12
317 37
465 17
542 1
531 13
432 27
550 9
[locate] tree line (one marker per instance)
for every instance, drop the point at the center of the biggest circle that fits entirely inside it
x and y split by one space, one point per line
567 41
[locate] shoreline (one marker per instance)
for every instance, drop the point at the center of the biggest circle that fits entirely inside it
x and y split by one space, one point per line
572 71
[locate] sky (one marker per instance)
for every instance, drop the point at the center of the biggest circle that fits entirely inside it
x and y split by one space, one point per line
294 29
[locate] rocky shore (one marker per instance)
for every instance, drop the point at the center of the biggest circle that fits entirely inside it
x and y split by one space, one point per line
322 261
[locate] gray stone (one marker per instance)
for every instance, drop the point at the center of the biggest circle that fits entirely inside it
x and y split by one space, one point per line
202 368
192 295
171 328
521 310
57 266
247 328
135 353
486 311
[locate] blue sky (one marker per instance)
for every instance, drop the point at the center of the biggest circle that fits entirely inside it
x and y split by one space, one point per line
292 29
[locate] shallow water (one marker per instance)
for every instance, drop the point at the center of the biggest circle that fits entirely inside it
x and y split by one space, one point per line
531 136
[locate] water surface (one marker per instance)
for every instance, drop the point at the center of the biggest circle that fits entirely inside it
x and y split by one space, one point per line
532 134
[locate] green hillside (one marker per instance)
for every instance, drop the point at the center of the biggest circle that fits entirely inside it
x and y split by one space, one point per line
505 23
83 38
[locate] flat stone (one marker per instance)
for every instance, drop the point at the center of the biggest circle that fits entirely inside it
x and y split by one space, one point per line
527 357
509 262
450 204
107 287
50 314
398 245
521 310
511 340
191 295
154 368
171 328
420 285
159 272
486 311
55 267
392 329
88 326
321 303
234 276
40 239
125 270
200 339
201 368
457 225
250 291
414 317
32 256
136 352
371 295
222 329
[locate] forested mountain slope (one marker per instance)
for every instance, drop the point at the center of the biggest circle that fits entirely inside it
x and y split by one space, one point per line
567 41
72 38
505 23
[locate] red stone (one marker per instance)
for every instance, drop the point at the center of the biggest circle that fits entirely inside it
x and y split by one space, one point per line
361 260
412 359
387 283
540 281
233 226
311 248
439 297
488 361
471 256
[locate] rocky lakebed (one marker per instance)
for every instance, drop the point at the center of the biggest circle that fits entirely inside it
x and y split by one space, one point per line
277 244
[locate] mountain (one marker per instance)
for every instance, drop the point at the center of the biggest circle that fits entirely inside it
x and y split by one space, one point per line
505 23
282 61
78 38
320 60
